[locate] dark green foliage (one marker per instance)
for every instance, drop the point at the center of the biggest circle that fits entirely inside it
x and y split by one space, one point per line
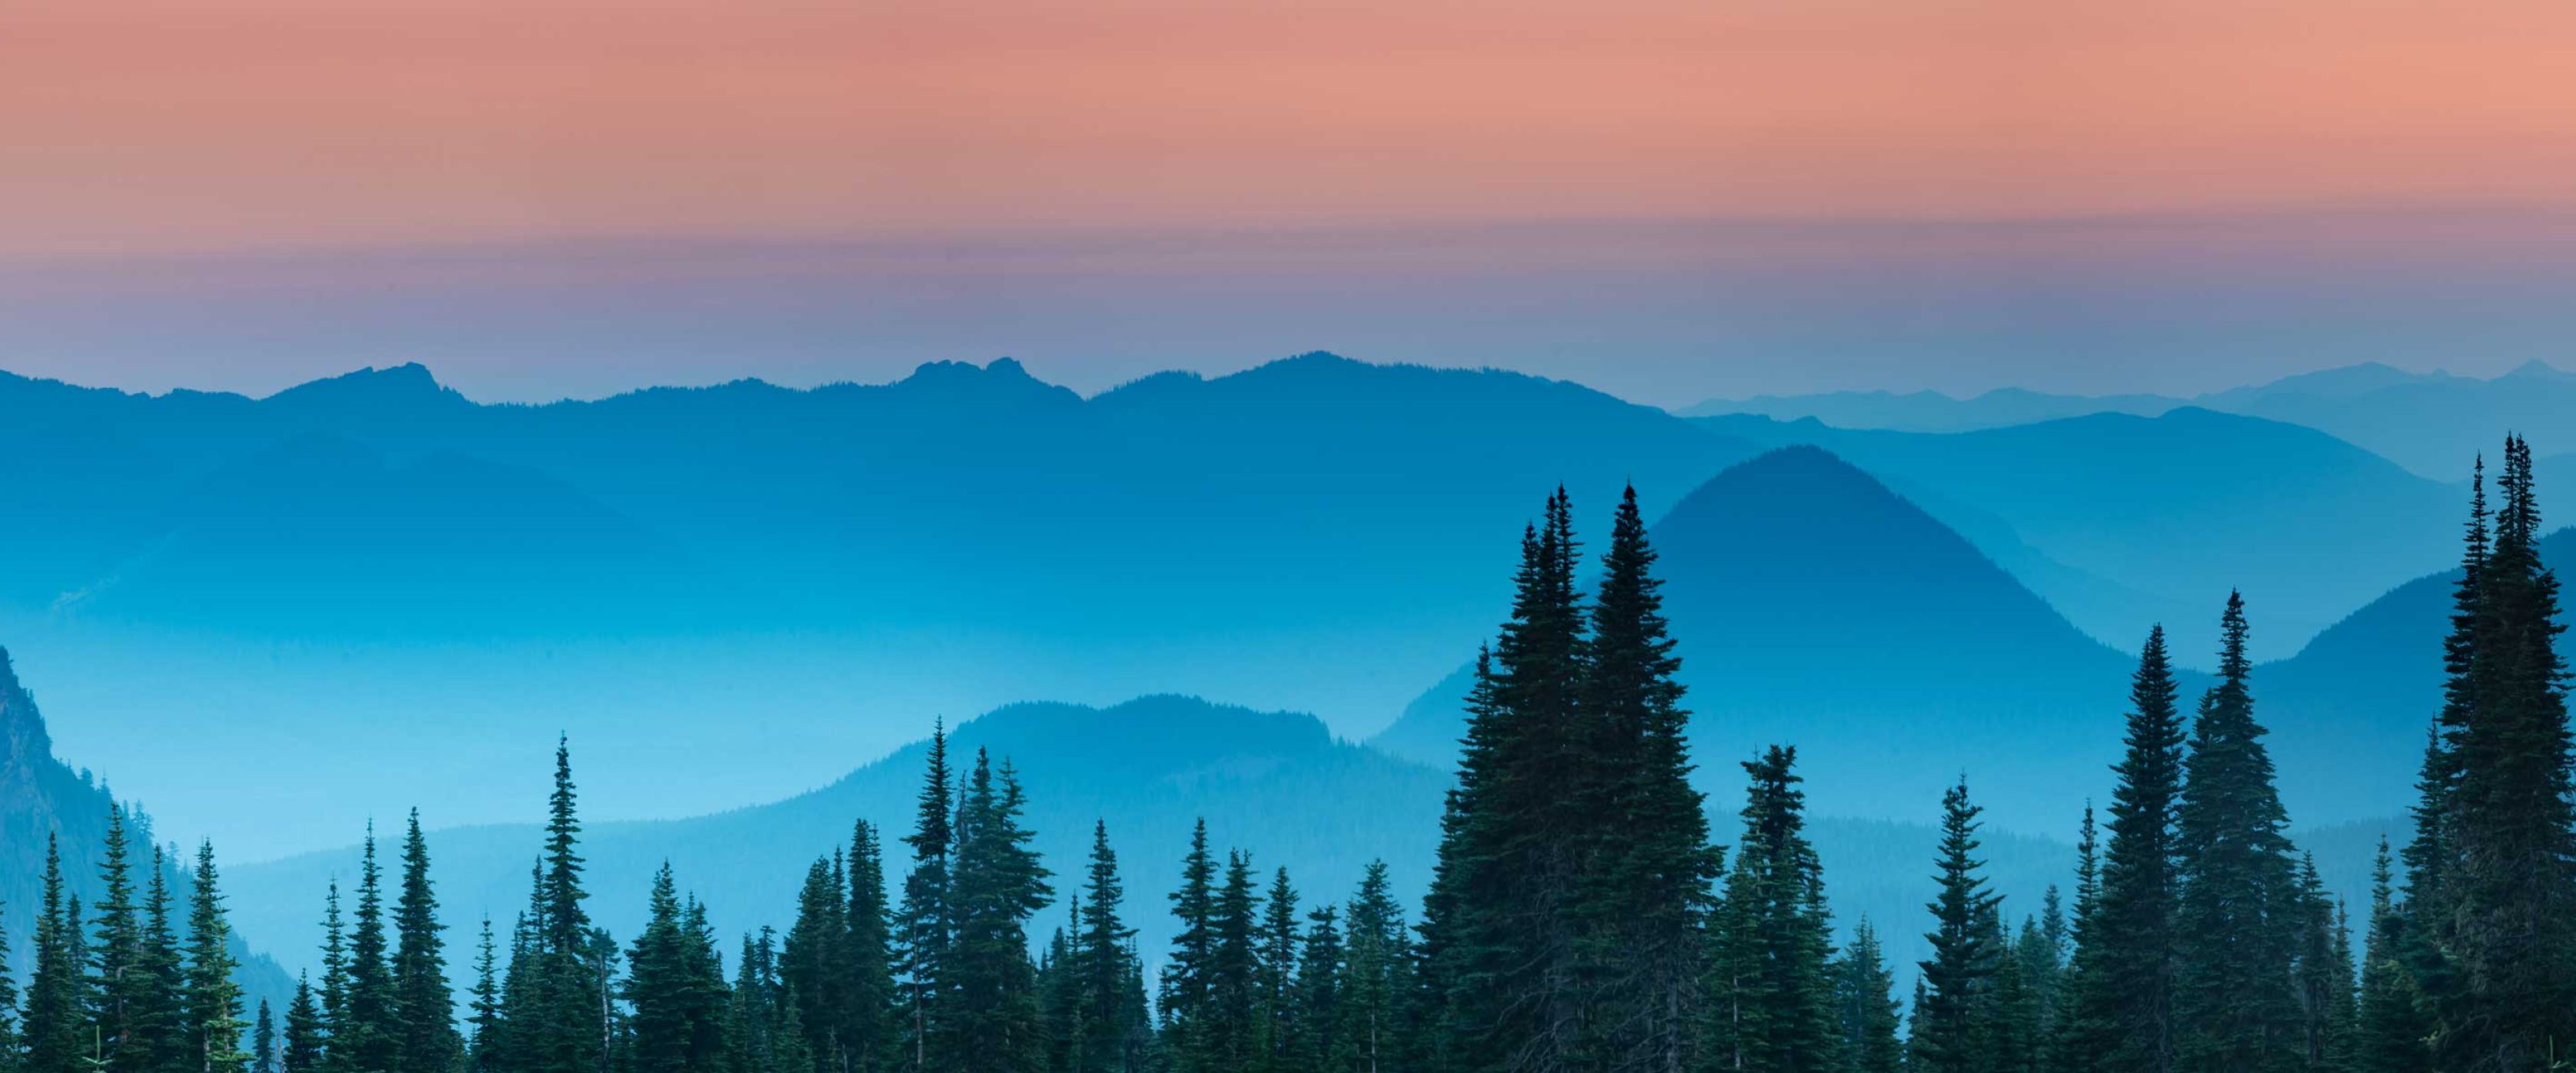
2123 1020
2504 918
1313 1041
366 1037
2393 1022
9 1052
1644 896
867 955
2236 1007
263 1048
305 1031
211 1002
1948 1014
1110 1031
123 996
1186 984
924 927
1771 1001
1276 1000
1376 979
1509 938
676 989
1865 1005
483 1015
424 1012
993 1024
52 1027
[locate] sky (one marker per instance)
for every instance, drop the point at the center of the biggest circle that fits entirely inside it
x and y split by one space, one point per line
1669 199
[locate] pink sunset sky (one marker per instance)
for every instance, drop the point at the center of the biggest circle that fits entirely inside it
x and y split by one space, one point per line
161 157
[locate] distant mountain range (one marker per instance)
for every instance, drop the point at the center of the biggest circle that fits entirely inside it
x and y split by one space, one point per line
2123 521
763 586
2431 423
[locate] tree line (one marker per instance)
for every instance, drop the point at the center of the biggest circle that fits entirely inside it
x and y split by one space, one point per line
1580 915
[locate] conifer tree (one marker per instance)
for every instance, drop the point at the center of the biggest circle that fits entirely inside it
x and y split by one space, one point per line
366 1037
424 1010
925 927
483 1016
1511 941
166 1041
566 1003
868 959
2235 1006
334 993
51 1030
675 989
998 883
1314 1044
263 1050
1865 1004
812 959
2509 893
1376 976
121 994
1229 1038
302 1052
212 1001
1276 982
1947 1029
2125 998
2324 974
1645 894
1188 974
2393 1027
9 1046
1111 1037
1775 1001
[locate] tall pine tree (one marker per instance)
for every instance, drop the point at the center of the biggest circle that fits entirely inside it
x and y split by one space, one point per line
2235 1006
2123 1020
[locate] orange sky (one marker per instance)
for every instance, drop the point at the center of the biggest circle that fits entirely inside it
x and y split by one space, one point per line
146 125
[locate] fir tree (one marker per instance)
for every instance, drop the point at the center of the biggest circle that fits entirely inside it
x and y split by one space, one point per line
334 993
366 1037
2124 1013
121 993
1646 886
1110 1037
263 1050
1866 1006
50 1030
212 1001
164 1035
868 959
424 1011
1276 981
2510 893
484 1015
1229 1037
1314 1043
2324 974
567 995
304 1031
9 1046
1375 977
1774 1002
1187 975
925 927
2393 1027
675 989
2235 1007
997 885
1947 1032
1511 941
811 960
